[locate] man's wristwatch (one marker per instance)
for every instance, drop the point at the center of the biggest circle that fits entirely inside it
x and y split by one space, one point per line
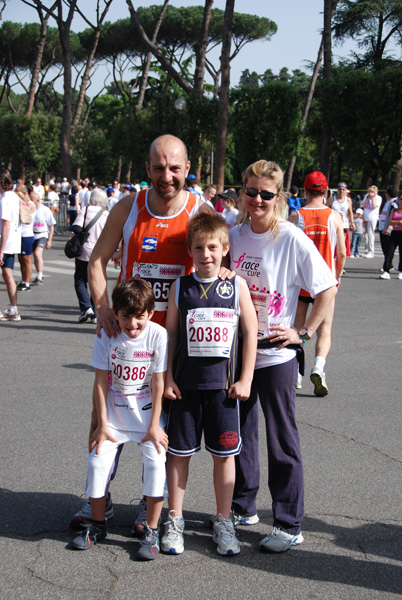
303 333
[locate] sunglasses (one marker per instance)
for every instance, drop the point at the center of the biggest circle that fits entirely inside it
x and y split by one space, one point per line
253 193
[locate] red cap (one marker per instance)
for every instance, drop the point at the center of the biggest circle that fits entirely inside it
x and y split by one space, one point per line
315 181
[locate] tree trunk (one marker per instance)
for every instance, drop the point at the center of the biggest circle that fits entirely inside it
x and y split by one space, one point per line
118 170
306 110
144 79
200 49
223 107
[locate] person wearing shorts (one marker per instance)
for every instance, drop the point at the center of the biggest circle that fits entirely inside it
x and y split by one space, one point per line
202 321
43 227
10 241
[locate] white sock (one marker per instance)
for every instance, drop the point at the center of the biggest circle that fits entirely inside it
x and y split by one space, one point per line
13 309
40 275
320 362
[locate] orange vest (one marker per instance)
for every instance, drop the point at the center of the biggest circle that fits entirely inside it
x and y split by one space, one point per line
155 249
318 224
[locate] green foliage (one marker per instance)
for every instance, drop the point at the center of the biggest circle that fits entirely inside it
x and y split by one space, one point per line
265 123
33 140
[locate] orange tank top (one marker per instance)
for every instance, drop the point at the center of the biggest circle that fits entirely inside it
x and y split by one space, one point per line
155 249
318 224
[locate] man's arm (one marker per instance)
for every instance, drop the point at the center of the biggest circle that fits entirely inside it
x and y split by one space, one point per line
5 232
340 250
50 238
103 251
155 432
172 326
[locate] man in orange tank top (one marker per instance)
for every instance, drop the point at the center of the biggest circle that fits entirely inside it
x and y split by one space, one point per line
324 227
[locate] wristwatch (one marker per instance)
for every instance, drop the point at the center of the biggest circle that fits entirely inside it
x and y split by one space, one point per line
304 335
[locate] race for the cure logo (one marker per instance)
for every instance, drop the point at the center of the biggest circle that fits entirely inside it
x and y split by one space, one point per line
251 266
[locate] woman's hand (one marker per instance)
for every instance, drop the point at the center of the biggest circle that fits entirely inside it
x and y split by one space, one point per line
285 335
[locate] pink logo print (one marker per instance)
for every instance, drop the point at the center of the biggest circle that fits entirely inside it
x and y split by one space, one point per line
239 260
276 304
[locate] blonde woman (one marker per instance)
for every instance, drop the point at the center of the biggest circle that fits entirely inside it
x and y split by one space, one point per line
371 209
276 259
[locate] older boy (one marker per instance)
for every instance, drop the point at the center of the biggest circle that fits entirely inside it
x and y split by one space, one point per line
128 391
202 322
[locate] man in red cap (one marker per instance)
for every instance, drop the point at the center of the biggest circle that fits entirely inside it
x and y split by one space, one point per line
324 227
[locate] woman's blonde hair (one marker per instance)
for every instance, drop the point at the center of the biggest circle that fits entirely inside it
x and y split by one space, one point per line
269 169
373 188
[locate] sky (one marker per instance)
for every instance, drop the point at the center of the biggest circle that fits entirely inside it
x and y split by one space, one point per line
294 46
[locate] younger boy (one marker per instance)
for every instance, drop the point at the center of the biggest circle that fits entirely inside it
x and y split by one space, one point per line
202 323
128 392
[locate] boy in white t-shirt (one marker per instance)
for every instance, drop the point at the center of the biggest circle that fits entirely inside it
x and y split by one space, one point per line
128 393
230 211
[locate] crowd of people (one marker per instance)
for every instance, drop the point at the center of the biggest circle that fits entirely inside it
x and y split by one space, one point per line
208 319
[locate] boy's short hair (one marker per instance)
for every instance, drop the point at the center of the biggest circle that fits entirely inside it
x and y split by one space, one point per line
134 296
208 224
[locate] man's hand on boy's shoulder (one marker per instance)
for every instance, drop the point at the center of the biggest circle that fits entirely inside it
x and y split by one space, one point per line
107 322
158 436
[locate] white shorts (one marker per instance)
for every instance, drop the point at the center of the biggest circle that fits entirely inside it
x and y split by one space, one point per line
102 465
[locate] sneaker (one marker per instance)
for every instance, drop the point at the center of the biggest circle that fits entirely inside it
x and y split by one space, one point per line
87 314
299 384
149 548
385 275
343 272
173 539
140 519
7 315
369 255
237 519
23 287
318 379
37 281
94 320
83 518
225 537
280 541
400 275
91 536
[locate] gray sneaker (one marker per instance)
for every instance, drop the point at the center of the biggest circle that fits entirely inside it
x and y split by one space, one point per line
280 541
173 540
140 519
317 377
83 518
225 537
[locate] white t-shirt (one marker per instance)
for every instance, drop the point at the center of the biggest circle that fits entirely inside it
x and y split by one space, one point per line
372 208
275 270
131 363
53 199
10 211
40 190
82 195
43 219
230 217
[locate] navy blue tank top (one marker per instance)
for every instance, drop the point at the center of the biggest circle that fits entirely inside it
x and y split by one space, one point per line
206 355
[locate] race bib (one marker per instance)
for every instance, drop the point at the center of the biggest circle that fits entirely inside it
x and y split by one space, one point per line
160 278
131 375
210 331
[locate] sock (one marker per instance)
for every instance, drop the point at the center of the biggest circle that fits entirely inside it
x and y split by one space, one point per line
13 309
320 362
40 275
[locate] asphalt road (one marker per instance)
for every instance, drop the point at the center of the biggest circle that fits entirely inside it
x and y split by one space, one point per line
351 442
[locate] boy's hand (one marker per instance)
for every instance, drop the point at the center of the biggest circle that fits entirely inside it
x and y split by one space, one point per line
158 436
171 392
240 390
100 435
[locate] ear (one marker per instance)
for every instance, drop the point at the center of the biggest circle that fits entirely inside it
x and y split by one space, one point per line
151 314
114 314
225 250
148 167
188 167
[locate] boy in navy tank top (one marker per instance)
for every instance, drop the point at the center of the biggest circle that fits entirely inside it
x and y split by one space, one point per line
203 318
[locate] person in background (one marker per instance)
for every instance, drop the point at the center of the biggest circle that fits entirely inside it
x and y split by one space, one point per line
230 212
43 228
74 208
357 234
10 241
391 201
53 198
343 205
27 240
395 222
209 194
39 189
371 208
98 204
293 199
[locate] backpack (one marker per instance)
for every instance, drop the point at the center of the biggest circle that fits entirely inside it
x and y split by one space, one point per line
25 210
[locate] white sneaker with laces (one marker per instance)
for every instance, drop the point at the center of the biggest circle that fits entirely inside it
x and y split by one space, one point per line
280 541
225 537
385 275
173 539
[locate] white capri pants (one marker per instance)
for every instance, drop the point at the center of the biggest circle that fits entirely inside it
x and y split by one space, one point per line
102 465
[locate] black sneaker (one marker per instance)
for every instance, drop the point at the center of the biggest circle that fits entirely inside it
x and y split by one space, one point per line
37 281
91 536
23 287
87 314
149 548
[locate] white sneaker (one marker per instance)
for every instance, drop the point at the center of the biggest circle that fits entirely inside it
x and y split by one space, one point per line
280 541
369 255
225 537
173 539
399 275
385 275
317 377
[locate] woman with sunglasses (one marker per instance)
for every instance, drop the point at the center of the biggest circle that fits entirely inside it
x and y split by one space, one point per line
276 259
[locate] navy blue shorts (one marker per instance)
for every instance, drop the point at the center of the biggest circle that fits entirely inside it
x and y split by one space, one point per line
210 411
8 260
26 245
